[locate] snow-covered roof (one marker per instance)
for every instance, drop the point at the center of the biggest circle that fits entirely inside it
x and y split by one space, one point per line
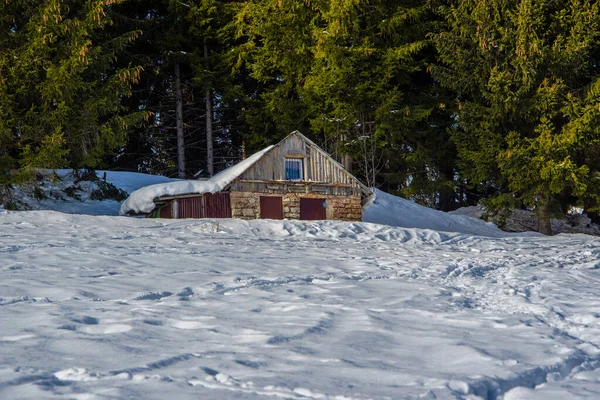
142 200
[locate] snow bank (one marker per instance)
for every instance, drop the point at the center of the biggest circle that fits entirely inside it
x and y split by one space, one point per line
395 211
142 200
132 181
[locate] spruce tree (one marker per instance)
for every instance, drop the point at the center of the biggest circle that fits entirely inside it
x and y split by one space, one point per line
60 95
353 74
176 34
526 74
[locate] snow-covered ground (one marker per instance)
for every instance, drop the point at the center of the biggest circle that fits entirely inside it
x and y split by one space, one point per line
396 211
127 181
105 307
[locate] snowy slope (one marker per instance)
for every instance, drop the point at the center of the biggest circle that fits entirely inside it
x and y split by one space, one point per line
132 181
396 211
442 307
116 307
127 181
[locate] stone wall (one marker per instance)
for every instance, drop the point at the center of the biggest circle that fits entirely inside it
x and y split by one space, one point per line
246 205
345 208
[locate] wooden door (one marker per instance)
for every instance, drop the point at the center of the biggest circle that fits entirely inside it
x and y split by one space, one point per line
189 207
216 205
208 205
271 207
313 209
166 211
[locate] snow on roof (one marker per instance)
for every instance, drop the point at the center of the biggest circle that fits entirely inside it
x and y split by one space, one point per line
142 200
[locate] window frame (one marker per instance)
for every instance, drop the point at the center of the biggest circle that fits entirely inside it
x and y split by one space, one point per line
300 161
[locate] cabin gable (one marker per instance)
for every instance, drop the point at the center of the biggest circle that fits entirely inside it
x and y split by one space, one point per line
319 171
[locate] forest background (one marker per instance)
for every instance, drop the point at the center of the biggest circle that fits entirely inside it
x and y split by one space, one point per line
448 103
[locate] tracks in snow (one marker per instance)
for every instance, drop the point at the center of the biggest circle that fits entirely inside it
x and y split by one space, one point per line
516 291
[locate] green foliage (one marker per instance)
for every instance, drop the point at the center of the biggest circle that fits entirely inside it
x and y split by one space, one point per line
352 73
39 194
60 97
431 99
526 74
7 167
49 154
71 191
108 191
85 174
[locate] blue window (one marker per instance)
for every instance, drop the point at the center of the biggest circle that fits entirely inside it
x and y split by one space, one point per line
294 169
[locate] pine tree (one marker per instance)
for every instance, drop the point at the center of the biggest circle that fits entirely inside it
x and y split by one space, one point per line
273 50
526 74
60 96
369 81
191 37
353 73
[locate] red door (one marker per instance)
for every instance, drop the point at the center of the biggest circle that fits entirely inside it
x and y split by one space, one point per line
312 209
166 211
271 207
216 205
209 205
189 207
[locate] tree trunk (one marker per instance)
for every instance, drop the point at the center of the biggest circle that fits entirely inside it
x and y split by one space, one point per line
543 216
447 192
588 203
348 162
179 112
210 163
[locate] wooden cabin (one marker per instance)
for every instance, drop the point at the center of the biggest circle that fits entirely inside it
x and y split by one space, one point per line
295 179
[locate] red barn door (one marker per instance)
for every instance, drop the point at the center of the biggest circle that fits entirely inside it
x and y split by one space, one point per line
312 209
271 207
216 205
209 205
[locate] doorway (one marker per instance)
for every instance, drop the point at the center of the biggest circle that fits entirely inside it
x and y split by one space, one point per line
271 207
313 209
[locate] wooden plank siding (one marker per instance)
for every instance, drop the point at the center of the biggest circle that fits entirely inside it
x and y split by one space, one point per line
318 167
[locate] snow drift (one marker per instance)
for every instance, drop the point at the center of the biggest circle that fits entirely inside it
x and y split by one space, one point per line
395 211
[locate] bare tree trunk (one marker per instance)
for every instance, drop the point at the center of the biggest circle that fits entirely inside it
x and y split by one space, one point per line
179 112
210 163
447 193
348 162
543 216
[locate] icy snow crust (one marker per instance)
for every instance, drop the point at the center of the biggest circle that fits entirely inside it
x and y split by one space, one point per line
96 307
142 200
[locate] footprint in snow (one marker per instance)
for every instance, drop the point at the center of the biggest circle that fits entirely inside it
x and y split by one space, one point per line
105 329
92 325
